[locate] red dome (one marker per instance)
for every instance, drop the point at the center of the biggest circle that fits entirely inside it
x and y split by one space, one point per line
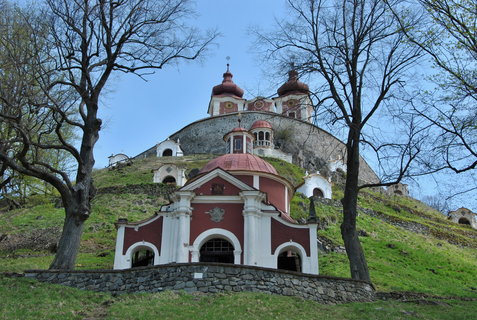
293 85
239 161
235 130
227 86
261 124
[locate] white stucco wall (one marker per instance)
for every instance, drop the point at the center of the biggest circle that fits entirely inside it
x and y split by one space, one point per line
313 181
117 158
170 170
169 144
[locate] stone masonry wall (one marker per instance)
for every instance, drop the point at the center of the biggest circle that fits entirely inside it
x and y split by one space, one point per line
212 278
311 147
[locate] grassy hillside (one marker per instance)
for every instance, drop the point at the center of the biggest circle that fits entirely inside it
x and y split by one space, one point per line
29 299
409 247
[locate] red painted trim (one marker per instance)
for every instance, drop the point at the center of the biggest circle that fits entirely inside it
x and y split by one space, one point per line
275 192
151 232
282 233
206 188
232 220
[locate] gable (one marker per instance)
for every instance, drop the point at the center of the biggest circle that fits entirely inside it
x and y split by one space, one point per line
217 176
217 186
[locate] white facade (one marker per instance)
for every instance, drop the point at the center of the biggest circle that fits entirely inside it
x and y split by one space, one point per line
464 216
176 246
334 165
273 153
116 159
289 105
215 101
169 148
315 181
170 170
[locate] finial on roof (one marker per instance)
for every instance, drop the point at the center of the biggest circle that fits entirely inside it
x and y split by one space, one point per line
227 86
228 64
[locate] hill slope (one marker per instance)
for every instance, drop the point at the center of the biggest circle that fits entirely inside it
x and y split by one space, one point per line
409 246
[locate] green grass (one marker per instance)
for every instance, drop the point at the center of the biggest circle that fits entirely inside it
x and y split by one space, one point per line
27 299
442 262
400 260
289 171
142 171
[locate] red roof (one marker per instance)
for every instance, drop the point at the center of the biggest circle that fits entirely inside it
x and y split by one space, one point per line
261 124
239 161
239 129
293 85
227 87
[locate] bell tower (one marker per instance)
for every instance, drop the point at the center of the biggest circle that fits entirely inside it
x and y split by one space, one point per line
294 98
226 97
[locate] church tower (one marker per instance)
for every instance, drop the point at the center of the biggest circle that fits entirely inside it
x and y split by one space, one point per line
293 99
226 97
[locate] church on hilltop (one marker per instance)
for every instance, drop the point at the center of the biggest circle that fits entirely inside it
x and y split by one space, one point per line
236 209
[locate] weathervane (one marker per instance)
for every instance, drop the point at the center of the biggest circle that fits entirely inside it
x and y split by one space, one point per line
228 64
292 62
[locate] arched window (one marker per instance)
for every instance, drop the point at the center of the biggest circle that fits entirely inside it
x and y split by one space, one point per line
228 146
169 180
267 136
217 250
167 153
255 135
464 221
260 135
142 257
318 193
289 260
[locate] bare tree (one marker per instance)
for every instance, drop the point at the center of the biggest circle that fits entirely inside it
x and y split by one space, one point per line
86 41
450 41
359 59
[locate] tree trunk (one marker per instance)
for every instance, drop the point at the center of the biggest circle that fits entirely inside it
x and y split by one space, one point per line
69 243
357 261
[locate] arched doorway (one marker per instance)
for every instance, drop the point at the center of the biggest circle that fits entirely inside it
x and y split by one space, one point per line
167 153
464 221
318 193
217 250
169 180
289 260
142 257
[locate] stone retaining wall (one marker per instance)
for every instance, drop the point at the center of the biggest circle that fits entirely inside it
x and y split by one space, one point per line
212 278
311 147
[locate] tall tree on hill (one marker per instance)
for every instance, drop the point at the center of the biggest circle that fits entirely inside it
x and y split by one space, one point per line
450 41
357 52
18 89
85 42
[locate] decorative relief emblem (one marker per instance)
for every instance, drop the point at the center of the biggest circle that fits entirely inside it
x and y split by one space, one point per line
216 214
169 169
217 188
258 104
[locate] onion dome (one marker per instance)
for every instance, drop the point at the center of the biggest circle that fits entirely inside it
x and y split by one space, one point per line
227 86
293 85
239 162
261 124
